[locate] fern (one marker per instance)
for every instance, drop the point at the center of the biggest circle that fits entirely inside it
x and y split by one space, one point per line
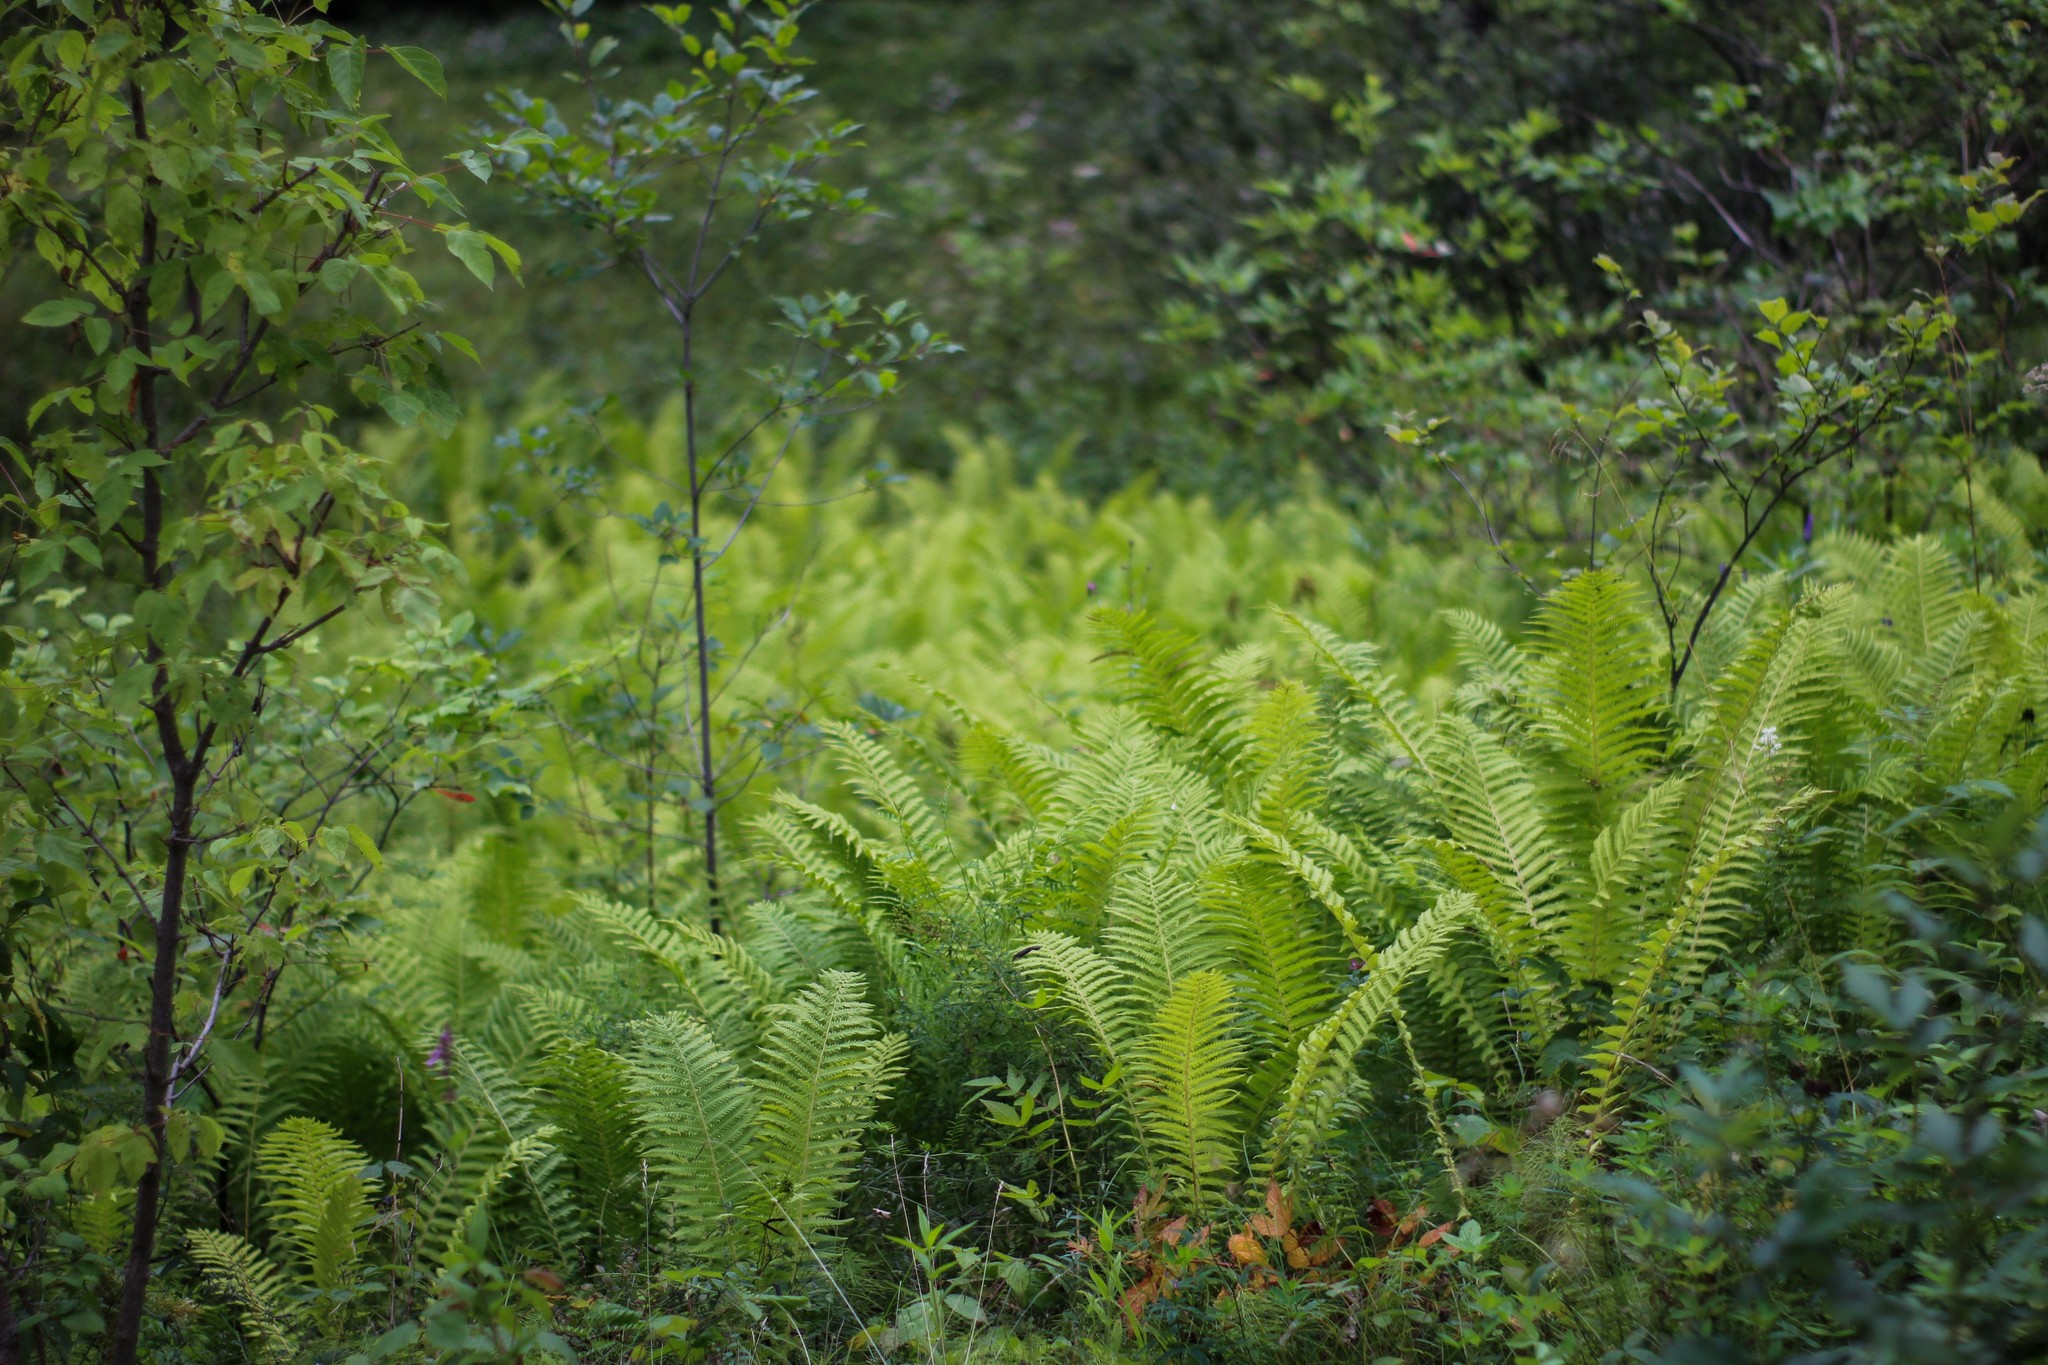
1601 693
1158 932
1283 957
1284 766
822 1067
1593 943
490 1091
1325 1056
1677 956
585 1095
704 988
832 856
1356 669
699 1117
1185 1071
238 1275
1028 772
1160 674
1492 811
1921 586
876 775
318 1197
1091 989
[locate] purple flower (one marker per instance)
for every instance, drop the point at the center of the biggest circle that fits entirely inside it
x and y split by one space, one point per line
443 1053
1807 534
1091 587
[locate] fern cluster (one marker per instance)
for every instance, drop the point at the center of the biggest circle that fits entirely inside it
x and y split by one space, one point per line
1232 880
1259 897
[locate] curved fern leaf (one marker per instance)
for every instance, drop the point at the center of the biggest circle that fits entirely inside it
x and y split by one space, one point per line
1184 1074
698 1116
1326 1055
239 1274
317 1196
823 1067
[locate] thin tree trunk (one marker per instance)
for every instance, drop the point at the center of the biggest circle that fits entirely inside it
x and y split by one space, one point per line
156 1075
184 772
708 773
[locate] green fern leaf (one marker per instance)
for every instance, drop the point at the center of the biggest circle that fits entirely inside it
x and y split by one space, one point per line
1599 692
699 1117
1185 1071
823 1067
1325 1057
318 1197
239 1275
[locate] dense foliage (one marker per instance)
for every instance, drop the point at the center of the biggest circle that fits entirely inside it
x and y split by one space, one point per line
1442 759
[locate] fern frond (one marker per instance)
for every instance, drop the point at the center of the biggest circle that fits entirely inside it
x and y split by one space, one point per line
1491 810
740 965
1029 772
1159 672
1923 589
823 1067
1743 607
585 1094
317 1196
1185 1072
240 1275
1325 1057
795 943
1089 988
1313 876
1751 724
520 1154
875 773
1367 873
1599 693
1678 955
1971 734
823 848
1282 953
705 990
698 1116
1942 671
490 1090
1489 658
1356 668
1157 932
832 856
1593 941
1285 765
102 1220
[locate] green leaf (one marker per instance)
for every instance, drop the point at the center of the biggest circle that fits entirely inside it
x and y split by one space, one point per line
470 248
458 343
505 251
366 846
57 312
130 688
345 69
336 275
423 66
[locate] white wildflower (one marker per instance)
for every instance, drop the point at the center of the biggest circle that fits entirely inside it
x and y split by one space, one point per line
1767 741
